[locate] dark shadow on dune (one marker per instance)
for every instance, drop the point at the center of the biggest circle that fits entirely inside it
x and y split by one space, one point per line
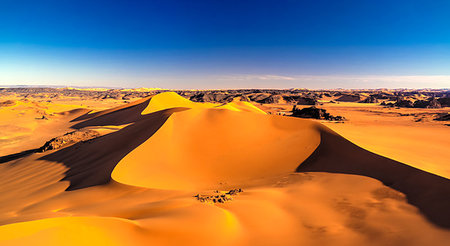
15 156
428 192
115 116
91 163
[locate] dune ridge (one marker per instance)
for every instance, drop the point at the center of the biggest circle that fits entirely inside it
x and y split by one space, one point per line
427 191
221 146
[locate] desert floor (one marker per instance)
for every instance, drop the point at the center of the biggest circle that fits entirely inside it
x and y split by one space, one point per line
168 171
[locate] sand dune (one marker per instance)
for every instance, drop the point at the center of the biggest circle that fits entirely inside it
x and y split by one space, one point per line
135 185
92 163
172 100
427 191
26 124
409 136
213 149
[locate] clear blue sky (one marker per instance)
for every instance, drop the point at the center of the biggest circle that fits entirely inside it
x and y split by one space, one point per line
226 44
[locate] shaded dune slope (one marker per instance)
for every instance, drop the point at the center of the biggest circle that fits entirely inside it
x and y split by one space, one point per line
91 163
429 192
125 114
88 115
11 157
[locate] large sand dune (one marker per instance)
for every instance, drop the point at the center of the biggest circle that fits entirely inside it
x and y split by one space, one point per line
217 149
136 184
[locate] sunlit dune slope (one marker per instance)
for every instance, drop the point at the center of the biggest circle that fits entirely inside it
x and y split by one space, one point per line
211 148
71 231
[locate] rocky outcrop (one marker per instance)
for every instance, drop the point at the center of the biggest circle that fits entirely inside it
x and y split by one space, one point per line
219 196
259 97
443 117
349 98
271 99
404 103
69 139
7 103
315 113
306 101
300 99
444 101
387 104
432 103
211 97
370 99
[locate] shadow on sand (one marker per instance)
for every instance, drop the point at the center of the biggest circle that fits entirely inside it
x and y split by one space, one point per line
428 192
91 163
15 156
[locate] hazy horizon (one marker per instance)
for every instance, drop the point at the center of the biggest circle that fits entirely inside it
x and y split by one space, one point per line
108 86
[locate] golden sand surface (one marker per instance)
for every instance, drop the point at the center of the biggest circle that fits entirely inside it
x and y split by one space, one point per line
301 181
407 135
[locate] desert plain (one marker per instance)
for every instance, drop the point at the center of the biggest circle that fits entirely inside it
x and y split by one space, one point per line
225 167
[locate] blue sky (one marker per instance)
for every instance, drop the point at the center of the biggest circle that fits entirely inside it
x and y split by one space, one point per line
226 44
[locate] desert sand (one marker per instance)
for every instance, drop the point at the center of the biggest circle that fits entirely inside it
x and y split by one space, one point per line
164 170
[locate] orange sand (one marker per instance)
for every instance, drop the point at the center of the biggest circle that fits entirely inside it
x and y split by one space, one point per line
303 183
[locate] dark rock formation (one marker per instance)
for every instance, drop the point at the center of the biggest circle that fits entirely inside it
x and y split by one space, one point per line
315 113
387 104
444 101
7 103
404 103
349 98
219 197
443 117
259 97
271 99
68 139
306 101
211 97
432 103
370 99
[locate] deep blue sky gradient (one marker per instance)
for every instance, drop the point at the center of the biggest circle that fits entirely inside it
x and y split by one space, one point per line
188 44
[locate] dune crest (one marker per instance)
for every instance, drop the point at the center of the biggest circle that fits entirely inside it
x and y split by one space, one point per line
243 106
168 100
207 148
